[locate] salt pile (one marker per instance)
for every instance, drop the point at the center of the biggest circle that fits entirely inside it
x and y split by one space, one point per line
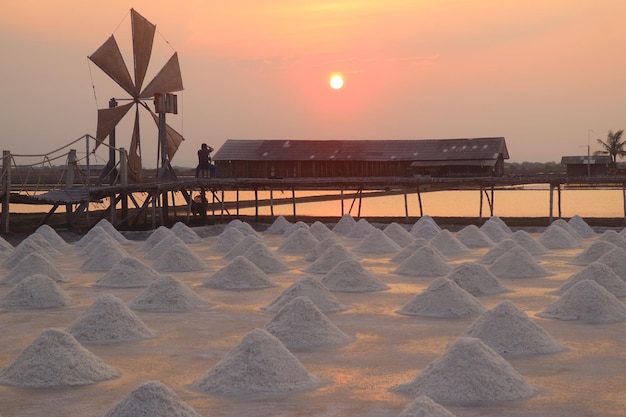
424 262
95 233
25 248
179 259
443 299
163 246
329 259
448 244
498 250
152 399
56 359
186 233
243 227
301 325
351 276
581 226
600 273
155 237
344 225
411 248
398 234
96 245
425 228
226 240
423 406
168 294
103 257
320 231
555 237
35 263
108 320
239 274
525 240
36 291
472 237
616 259
265 259
311 288
468 372
377 241
51 236
297 225
361 229
586 301
476 279
112 231
518 263
128 272
509 331
568 228
299 242
243 245
279 226
268 367
321 247
613 237
496 229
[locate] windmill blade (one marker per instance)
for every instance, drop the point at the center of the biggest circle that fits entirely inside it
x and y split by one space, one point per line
109 59
109 118
134 153
143 39
167 80
174 138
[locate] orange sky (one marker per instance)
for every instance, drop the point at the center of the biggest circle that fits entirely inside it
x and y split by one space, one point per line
541 74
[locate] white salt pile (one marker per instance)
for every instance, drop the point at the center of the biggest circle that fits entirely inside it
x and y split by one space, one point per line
586 301
476 279
556 237
279 226
25 248
179 258
112 231
361 229
472 237
525 240
300 241
163 246
265 259
344 225
95 232
518 263
186 233
376 241
423 406
103 257
35 263
613 237
311 288
616 259
301 325
243 227
128 272
226 240
34 292
497 251
398 234
568 228
51 236
581 226
152 399
411 248
108 320
351 276
297 225
268 366
496 229
168 294
329 259
600 273
320 231
443 299
509 331
321 247
96 244
468 372
448 244
56 359
155 237
424 262
243 245
240 274
425 227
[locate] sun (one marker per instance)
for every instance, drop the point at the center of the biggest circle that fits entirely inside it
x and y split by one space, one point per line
336 81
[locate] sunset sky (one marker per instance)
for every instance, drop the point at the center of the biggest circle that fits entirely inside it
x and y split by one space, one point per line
546 75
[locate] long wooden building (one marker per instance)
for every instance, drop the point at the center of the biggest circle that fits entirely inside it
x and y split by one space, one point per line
472 157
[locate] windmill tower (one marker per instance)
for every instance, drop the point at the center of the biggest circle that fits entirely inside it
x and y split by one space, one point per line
168 80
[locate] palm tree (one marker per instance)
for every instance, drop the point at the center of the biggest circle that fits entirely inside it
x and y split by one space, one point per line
613 146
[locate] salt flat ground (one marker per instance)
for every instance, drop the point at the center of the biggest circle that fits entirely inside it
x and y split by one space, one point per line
588 379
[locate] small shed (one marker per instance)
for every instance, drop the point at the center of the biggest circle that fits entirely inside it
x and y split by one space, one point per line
583 166
361 158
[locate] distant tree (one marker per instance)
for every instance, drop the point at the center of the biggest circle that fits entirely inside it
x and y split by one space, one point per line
613 146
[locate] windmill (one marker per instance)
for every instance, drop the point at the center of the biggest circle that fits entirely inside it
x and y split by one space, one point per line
168 80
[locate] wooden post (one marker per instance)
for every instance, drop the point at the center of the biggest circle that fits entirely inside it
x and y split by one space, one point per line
6 188
124 183
342 209
154 210
551 203
406 205
272 202
419 199
69 183
492 202
624 198
293 202
480 205
237 196
558 189
256 205
223 208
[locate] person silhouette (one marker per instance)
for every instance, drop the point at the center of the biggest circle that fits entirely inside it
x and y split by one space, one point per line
204 161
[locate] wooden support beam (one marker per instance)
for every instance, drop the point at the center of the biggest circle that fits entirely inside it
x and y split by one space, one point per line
293 202
419 199
551 203
406 205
